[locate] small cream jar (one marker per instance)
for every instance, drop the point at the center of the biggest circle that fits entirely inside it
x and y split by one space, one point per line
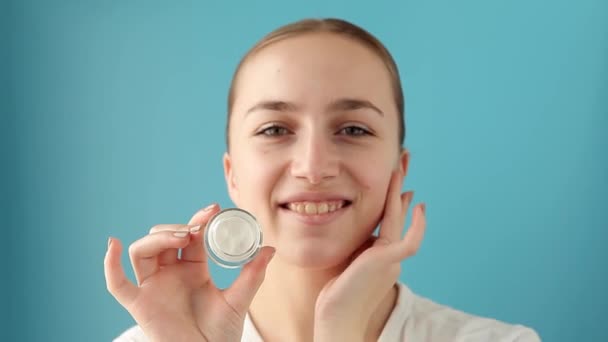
232 237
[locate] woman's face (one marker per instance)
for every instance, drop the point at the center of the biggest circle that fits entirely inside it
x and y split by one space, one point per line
313 142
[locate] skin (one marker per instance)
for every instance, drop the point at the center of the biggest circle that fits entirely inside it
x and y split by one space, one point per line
292 135
313 145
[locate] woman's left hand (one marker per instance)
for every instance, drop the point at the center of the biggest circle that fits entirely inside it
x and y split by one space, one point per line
346 304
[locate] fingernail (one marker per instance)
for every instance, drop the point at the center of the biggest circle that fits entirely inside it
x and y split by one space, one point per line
181 234
209 207
423 207
109 241
195 229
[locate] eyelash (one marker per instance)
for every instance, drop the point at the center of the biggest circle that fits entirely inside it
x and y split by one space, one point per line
274 128
361 131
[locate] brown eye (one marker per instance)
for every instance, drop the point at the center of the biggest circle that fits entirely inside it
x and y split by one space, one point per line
273 131
354 131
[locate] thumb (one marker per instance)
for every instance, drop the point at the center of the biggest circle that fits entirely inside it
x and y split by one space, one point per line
241 293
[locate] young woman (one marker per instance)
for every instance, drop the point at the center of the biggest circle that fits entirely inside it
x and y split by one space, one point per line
315 134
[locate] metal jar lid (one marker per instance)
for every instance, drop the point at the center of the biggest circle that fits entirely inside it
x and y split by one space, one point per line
232 237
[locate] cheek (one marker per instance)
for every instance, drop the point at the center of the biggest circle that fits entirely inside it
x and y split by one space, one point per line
256 173
373 180
376 197
259 173
372 172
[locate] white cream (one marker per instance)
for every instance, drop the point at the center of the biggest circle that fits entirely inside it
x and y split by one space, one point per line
232 237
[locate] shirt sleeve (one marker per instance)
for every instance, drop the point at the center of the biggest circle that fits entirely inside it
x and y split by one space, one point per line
133 334
528 335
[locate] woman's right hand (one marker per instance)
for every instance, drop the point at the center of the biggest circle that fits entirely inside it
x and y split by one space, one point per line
175 298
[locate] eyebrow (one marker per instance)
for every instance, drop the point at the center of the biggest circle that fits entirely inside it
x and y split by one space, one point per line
343 104
353 104
275 106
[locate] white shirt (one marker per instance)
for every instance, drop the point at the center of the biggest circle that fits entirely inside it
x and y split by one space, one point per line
414 319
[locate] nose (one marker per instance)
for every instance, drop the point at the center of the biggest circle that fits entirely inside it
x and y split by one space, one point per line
315 159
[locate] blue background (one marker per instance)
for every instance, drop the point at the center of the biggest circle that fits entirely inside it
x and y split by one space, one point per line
113 121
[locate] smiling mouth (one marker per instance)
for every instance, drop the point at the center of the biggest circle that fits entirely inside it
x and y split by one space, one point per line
309 208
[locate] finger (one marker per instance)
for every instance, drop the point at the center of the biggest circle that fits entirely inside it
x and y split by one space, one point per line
390 228
406 201
195 252
169 256
241 293
410 244
367 244
116 280
144 252
168 227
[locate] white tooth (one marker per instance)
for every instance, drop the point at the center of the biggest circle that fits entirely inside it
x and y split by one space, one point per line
322 208
315 208
311 208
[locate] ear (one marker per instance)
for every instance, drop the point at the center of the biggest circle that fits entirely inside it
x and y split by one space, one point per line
230 179
404 161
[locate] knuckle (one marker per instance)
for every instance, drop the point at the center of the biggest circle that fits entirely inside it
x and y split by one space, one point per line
411 250
154 229
110 288
133 249
116 289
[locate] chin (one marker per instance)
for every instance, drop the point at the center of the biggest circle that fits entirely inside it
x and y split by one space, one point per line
314 255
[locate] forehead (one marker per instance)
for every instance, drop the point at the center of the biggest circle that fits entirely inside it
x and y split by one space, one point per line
314 68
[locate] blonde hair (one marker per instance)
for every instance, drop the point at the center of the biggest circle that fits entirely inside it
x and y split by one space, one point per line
328 25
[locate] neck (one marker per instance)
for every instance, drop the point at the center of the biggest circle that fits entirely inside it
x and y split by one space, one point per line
283 308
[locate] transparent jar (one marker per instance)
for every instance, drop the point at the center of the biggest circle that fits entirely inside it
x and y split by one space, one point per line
232 237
